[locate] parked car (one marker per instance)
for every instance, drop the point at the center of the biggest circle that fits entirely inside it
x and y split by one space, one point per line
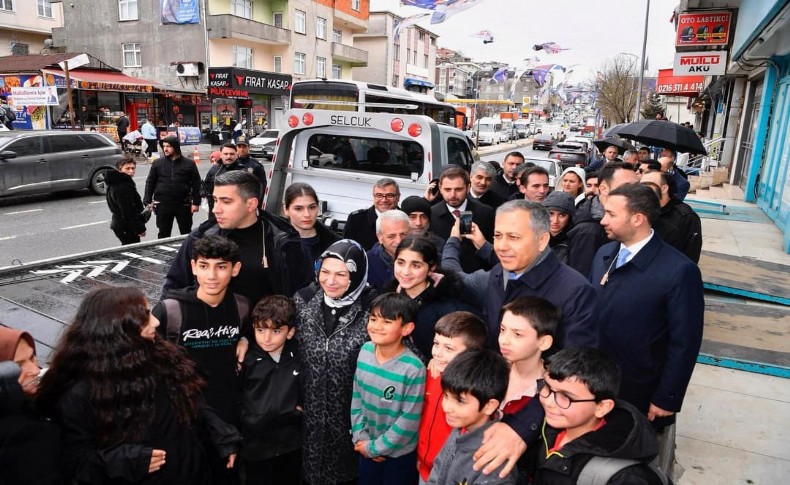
36 162
570 154
543 142
552 166
258 143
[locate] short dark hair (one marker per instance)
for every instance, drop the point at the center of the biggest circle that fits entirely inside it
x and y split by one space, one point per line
216 247
454 172
422 245
229 145
524 177
278 310
666 179
482 373
651 164
645 149
639 199
462 324
247 185
125 159
542 315
393 306
596 370
514 154
606 173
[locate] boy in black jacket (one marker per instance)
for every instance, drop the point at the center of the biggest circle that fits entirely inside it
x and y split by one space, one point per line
271 413
124 201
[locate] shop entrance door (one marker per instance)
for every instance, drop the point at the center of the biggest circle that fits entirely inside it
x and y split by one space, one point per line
244 114
750 128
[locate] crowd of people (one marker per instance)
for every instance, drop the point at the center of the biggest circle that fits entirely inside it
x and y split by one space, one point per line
550 329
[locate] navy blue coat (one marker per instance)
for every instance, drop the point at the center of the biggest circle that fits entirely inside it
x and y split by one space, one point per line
650 313
381 270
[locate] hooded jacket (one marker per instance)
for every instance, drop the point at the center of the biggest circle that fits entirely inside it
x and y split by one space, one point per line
173 181
626 434
124 203
288 267
586 236
270 423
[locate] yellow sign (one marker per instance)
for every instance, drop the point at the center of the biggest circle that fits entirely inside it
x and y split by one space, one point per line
525 100
525 110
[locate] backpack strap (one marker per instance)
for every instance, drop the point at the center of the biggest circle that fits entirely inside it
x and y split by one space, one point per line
243 306
173 312
600 469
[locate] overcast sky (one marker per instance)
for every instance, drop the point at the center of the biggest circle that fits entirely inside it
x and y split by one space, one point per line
592 30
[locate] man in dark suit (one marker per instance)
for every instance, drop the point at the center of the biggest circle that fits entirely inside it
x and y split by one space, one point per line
361 224
454 187
655 336
504 184
675 214
482 176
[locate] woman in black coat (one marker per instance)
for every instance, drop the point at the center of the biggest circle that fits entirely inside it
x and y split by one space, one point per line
301 206
124 201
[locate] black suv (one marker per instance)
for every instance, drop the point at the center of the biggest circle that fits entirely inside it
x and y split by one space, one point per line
36 162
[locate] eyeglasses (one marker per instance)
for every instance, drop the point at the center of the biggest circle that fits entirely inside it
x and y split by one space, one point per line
560 398
385 196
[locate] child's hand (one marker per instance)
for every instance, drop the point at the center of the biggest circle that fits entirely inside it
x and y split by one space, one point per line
435 373
361 448
241 352
231 461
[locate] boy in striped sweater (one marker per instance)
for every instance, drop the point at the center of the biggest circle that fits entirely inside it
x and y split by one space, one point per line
386 402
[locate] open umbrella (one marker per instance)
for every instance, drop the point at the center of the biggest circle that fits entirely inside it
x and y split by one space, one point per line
665 134
621 144
614 130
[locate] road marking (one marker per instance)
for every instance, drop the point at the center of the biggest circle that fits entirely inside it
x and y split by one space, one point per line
22 212
98 202
84 225
7 238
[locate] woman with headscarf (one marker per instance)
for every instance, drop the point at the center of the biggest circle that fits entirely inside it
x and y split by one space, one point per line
331 323
128 403
29 444
572 181
561 209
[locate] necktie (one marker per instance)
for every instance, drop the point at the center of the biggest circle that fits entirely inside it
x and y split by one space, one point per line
457 213
513 276
622 256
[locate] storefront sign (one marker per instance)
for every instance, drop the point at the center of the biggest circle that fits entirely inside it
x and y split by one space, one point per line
43 96
189 135
703 29
240 83
678 85
708 63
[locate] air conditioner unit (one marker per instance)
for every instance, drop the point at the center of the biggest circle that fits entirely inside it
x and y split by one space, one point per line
187 69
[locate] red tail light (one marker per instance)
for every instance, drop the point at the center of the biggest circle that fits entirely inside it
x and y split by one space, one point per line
307 119
293 121
415 130
396 125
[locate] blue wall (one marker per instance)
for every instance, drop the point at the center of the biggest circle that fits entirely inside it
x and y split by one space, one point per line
753 16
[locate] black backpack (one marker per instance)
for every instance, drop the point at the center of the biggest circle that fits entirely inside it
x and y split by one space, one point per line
9 114
600 469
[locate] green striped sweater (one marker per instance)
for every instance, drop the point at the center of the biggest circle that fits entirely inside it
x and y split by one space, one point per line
387 402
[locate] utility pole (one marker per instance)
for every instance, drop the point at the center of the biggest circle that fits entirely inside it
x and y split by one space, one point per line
642 64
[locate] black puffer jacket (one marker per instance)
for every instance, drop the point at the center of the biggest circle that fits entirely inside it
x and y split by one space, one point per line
587 235
173 181
124 203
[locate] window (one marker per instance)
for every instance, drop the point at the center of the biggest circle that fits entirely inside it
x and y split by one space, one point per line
44 8
425 60
241 8
277 19
408 55
396 52
355 5
421 36
131 55
395 81
337 36
242 56
30 145
94 141
300 22
320 67
356 153
458 153
278 63
337 71
320 28
6 5
20 49
65 143
127 10
299 63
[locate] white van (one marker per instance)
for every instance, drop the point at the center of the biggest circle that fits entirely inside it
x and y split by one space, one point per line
341 154
489 131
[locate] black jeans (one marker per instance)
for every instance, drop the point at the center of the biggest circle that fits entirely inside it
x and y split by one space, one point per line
285 469
126 237
151 148
165 213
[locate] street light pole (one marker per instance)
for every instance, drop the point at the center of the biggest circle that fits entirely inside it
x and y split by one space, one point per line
642 64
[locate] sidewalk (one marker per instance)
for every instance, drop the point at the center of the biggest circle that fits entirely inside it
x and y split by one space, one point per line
733 427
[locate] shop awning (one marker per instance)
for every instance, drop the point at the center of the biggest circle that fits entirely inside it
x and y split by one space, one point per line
99 80
410 81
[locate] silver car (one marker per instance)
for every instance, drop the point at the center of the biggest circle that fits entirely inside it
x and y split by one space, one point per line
36 162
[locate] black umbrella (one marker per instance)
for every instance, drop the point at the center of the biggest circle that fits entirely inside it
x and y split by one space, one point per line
604 143
614 130
665 134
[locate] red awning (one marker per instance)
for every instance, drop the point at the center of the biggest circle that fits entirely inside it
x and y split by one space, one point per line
105 80
670 85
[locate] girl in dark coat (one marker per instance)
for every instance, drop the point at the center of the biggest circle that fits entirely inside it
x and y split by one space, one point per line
300 205
437 293
129 404
124 201
331 318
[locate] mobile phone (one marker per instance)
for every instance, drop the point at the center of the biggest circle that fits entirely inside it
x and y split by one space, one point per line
435 188
466 222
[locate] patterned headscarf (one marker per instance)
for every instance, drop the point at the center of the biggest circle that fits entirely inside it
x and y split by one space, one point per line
352 254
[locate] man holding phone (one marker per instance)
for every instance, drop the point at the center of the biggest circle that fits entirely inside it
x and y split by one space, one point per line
454 187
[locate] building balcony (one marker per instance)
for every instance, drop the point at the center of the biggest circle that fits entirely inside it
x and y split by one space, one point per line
346 53
354 24
233 27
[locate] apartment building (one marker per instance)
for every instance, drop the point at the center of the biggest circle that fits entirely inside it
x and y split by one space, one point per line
25 25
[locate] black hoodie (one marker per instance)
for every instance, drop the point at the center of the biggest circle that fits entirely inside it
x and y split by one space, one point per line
173 180
626 434
124 203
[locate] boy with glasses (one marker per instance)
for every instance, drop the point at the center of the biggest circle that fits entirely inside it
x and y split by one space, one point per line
584 421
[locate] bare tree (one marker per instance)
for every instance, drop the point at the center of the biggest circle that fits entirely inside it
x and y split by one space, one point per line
617 86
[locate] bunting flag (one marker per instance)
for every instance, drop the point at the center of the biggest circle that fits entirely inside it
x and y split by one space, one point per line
442 9
539 74
407 22
500 76
486 35
548 48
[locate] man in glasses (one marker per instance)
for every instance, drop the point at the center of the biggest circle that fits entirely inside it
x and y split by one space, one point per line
584 421
361 224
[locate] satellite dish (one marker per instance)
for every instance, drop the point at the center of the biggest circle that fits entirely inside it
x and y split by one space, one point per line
48 43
